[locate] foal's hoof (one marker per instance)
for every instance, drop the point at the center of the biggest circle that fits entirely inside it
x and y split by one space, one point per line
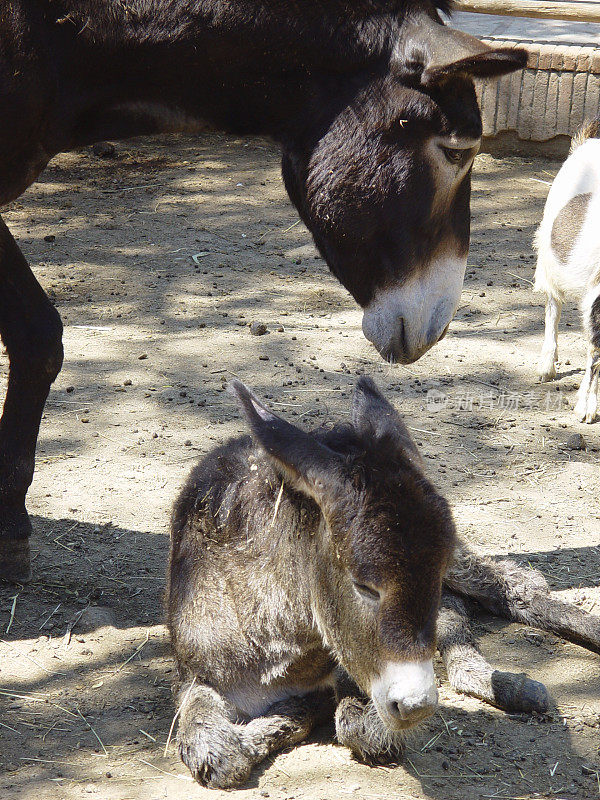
15 558
216 759
359 728
519 694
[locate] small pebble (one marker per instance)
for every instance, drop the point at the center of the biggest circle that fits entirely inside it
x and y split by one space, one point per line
187 443
104 150
70 389
127 382
576 442
50 238
95 617
143 356
258 329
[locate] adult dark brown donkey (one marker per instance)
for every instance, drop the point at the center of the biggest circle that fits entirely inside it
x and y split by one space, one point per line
372 102
304 565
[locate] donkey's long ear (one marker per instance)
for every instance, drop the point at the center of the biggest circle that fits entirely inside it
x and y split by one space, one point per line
312 467
443 52
374 416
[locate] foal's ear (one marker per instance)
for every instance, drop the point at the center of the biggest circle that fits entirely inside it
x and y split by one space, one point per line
311 466
444 52
374 416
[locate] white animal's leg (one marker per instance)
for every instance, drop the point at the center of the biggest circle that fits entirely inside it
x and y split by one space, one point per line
593 393
587 396
549 354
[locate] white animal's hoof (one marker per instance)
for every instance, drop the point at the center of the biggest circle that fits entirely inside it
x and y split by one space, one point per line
590 414
585 411
546 371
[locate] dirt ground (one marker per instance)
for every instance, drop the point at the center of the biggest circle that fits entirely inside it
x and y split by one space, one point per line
158 260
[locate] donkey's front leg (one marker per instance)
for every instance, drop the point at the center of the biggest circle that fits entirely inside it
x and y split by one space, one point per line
469 672
358 726
221 753
521 595
211 745
288 722
31 330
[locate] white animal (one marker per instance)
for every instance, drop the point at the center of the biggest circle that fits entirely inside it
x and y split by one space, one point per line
568 265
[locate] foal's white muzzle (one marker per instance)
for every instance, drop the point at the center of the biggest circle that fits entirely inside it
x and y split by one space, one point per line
405 693
405 321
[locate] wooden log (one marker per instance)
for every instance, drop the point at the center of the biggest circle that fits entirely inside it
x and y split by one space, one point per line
540 9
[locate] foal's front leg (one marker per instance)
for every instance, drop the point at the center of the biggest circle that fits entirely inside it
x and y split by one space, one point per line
31 330
220 752
469 672
358 726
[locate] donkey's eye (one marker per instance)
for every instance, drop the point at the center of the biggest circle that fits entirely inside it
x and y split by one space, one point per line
453 155
366 592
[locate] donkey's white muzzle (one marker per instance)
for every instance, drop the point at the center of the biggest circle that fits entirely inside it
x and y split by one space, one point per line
405 693
405 321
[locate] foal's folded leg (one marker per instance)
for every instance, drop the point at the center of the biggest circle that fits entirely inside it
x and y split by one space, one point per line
469 672
359 727
221 753
288 722
211 745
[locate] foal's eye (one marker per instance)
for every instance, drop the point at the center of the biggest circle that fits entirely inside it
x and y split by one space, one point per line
453 155
366 592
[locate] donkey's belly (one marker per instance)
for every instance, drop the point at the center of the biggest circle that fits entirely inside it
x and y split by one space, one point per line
252 700
278 681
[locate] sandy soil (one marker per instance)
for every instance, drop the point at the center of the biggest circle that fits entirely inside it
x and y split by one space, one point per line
160 259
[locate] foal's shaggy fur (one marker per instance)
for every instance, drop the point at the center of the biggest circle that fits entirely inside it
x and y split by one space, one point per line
304 585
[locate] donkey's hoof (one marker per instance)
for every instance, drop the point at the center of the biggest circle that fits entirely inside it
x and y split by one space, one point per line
15 558
359 728
517 693
216 760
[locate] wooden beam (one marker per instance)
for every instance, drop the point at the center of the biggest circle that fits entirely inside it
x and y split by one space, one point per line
540 9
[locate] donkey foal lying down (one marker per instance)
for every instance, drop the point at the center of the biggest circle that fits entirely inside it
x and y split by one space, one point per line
305 583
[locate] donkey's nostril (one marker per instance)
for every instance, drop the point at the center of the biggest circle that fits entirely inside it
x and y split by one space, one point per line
412 710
